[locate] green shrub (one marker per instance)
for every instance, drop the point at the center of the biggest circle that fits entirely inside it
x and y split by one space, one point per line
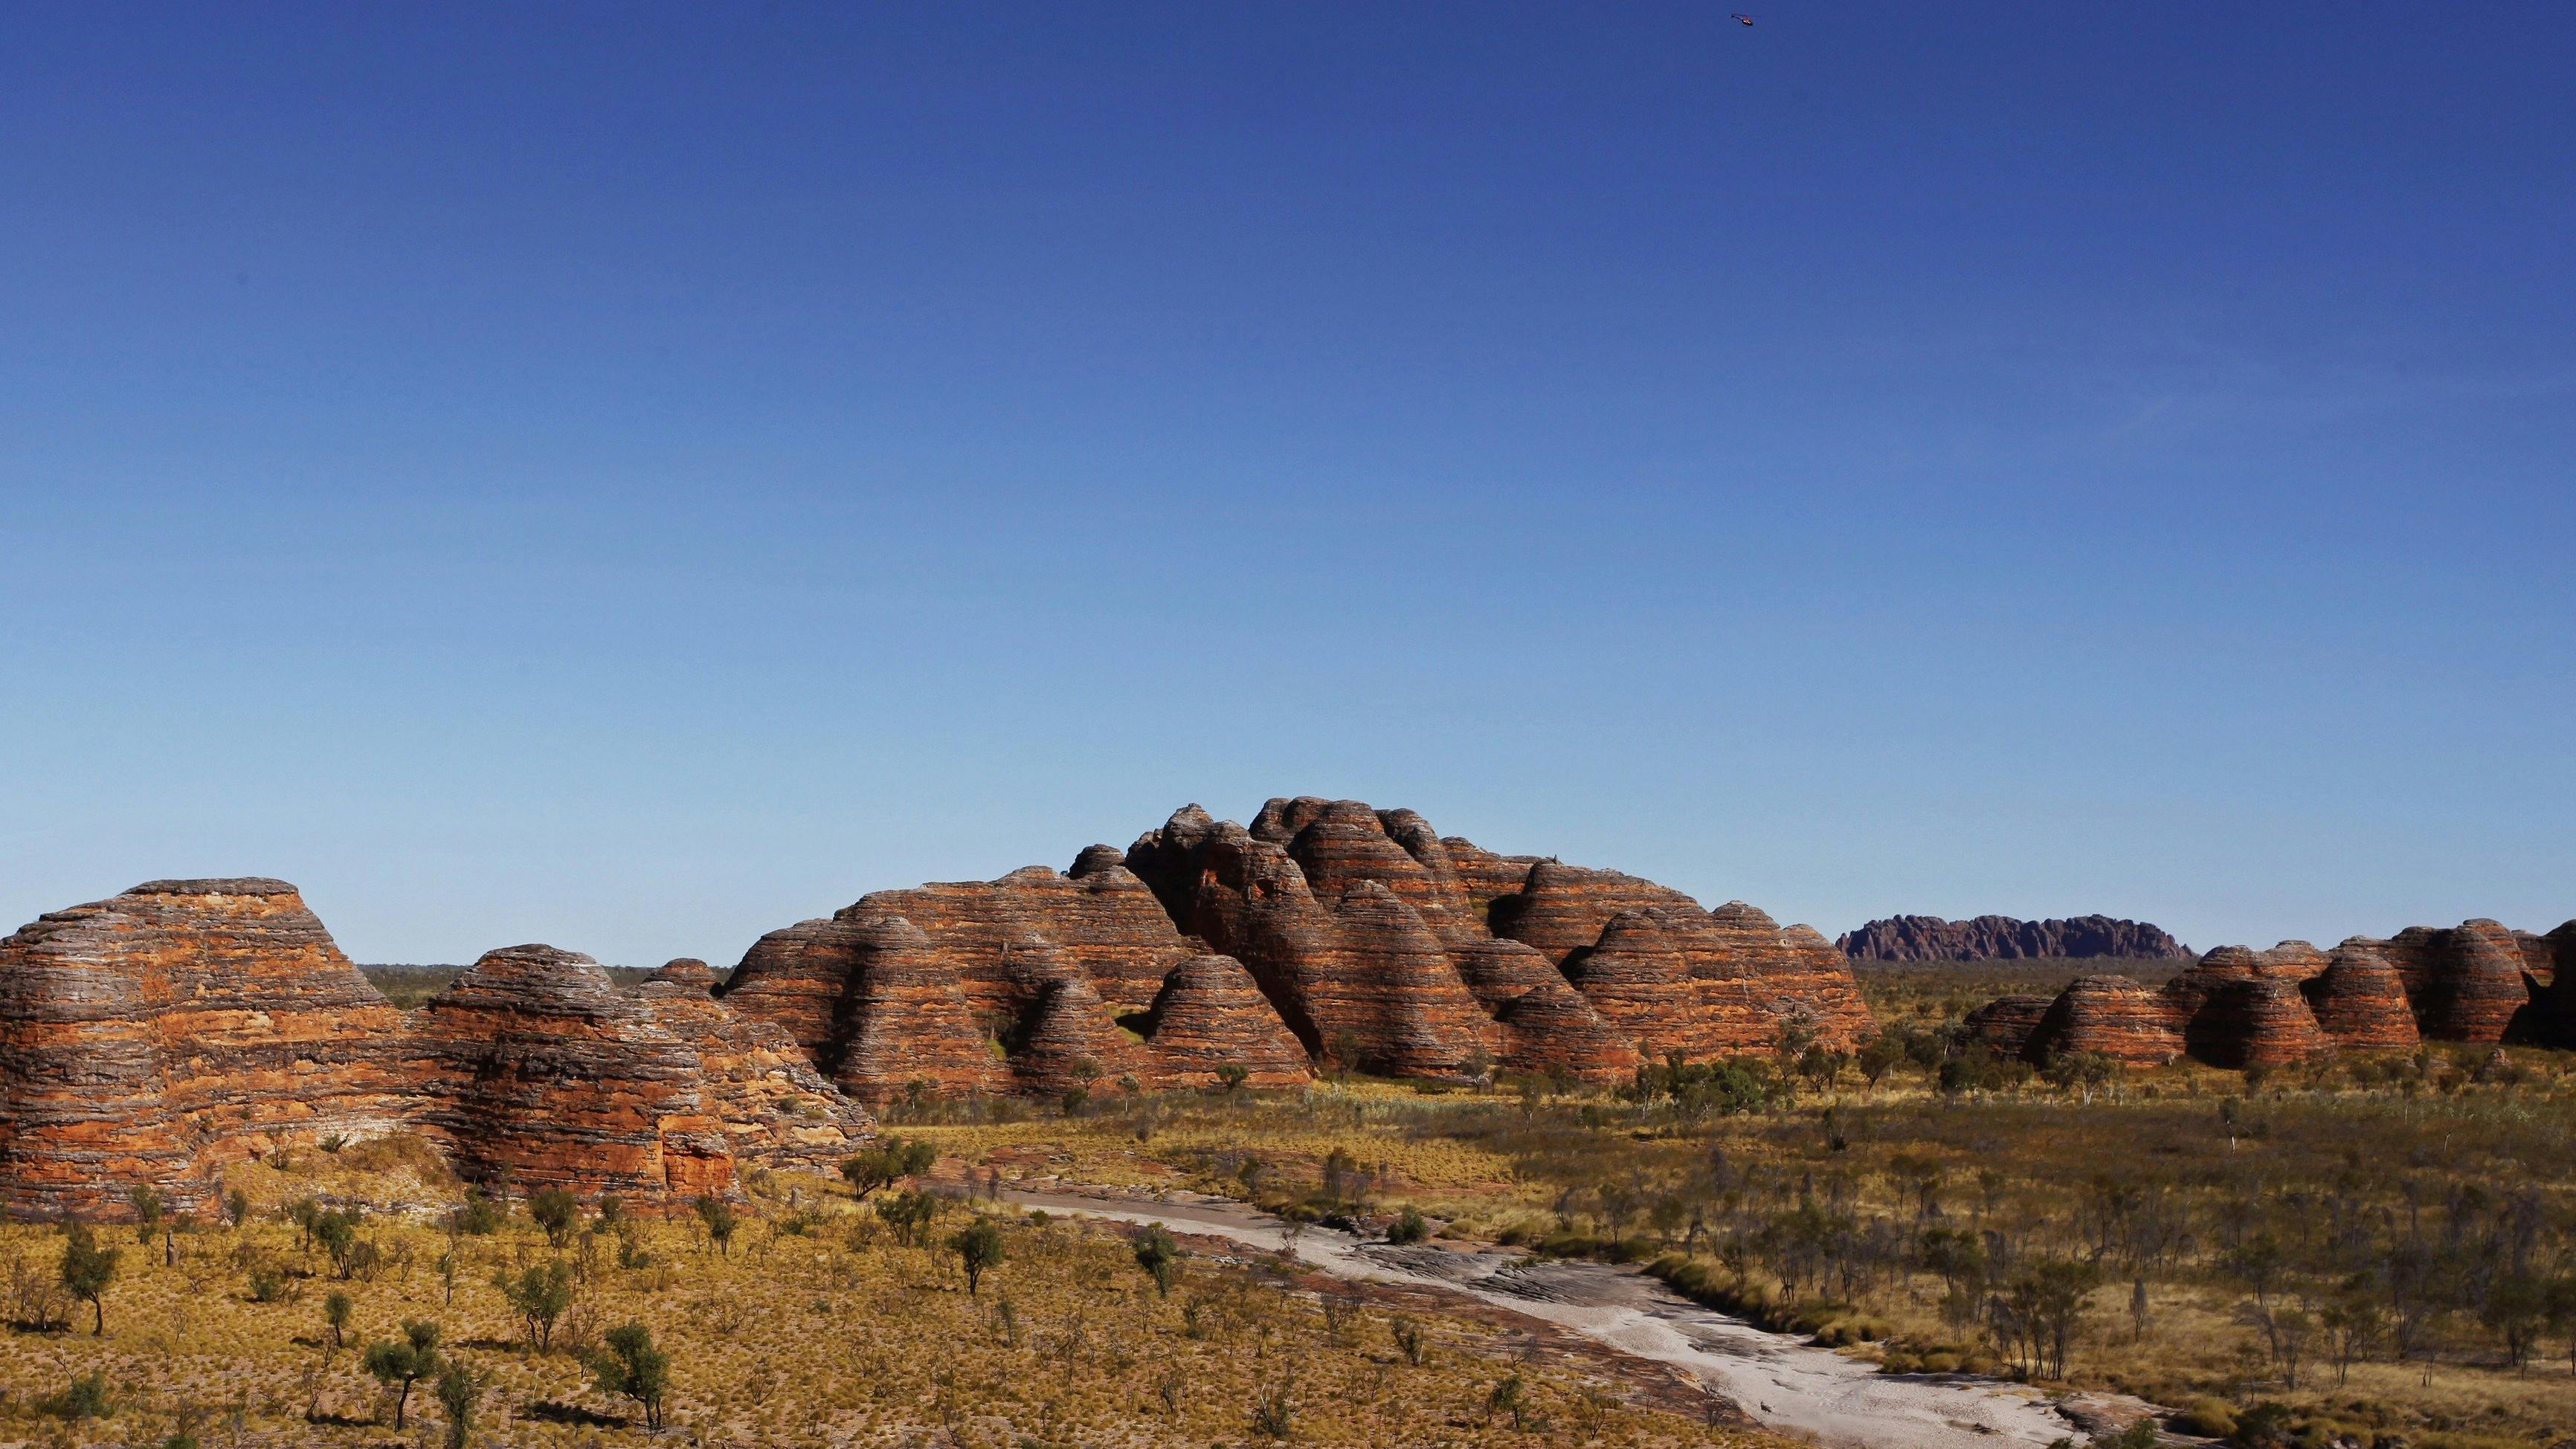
85 1397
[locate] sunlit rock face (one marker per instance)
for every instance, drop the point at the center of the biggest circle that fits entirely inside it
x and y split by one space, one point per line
1369 940
541 1073
152 1038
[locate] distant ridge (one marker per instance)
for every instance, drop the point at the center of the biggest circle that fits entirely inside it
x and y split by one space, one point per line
1930 938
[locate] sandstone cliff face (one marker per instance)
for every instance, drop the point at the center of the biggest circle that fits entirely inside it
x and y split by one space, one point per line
899 1013
1563 908
2005 1024
2237 1007
1102 920
2112 1015
2295 961
1209 1015
543 1073
1930 938
760 1088
1362 925
154 1037
2472 984
157 1037
1062 1035
2257 1022
2359 1000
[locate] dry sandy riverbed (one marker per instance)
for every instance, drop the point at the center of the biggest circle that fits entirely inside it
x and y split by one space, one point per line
1781 1382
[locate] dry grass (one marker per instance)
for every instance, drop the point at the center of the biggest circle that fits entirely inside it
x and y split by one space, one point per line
817 1329
2022 1162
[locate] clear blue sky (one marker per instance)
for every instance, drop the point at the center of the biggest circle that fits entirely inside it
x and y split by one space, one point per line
642 475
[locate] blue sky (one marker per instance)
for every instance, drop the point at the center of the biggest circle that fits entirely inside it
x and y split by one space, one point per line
636 476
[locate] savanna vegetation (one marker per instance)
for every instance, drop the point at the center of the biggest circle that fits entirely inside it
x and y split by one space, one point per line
2380 1249
359 1296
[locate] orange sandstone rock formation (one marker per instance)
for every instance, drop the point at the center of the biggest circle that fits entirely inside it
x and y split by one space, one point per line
152 1038
543 1073
2359 1000
2112 1015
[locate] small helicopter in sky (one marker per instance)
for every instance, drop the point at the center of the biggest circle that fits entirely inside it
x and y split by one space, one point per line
1743 19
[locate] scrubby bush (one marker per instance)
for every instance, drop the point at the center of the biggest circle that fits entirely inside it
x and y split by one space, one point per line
87 1396
717 1216
556 1212
632 1368
979 1250
1156 1253
88 1270
400 1363
539 1296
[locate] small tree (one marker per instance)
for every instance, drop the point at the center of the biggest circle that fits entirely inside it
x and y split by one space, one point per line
458 1389
1511 1396
2517 1305
1156 1253
88 1270
337 1232
479 1215
890 1161
400 1364
1231 1075
631 1367
237 1207
557 1212
979 1247
1884 1054
86 1397
539 1295
335 1312
303 1212
149 1207
720 1222
1410 1227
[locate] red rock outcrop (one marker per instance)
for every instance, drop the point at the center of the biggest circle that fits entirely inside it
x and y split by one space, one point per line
2473 985
1104 921
1488 879
1551 1028
154 1037
542 1073
1563 908
760 1088
2359 1001
2003 938
2005 1024
2112 1015
1062 1035
1389 995
1338 844
2187 993
1209 1015
2261 1022
1294 898
1638 979
795 978
1814 981
2238 1007
901 1015
2295 961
